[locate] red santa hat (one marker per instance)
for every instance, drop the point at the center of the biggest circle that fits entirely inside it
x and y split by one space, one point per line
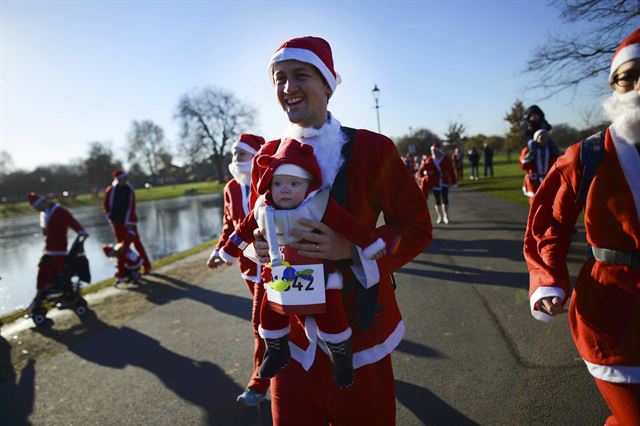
436 147
292 158
35 199
628 50
119 174
311 50
249 143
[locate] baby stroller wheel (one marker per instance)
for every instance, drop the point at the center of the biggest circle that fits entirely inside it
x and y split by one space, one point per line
81 308
39 316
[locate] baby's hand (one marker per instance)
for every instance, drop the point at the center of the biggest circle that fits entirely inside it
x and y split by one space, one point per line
215 261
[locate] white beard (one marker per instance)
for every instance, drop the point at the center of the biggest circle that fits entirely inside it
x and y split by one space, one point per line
241 172
327 143
624 112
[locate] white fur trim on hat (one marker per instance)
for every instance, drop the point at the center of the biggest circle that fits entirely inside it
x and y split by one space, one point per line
244 146
293 170
625 54
307 56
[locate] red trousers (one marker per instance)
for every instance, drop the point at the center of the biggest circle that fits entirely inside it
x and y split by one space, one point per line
623 401
129 234
312 398
48 270
255 382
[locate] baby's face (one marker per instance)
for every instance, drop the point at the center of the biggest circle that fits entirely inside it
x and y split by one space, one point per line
288 191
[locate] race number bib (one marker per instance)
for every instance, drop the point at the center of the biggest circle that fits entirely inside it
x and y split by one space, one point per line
305 293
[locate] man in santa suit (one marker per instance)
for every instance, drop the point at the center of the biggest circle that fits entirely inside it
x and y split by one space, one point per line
119 206
458 162
55 221
605 308
367 177
438 176
536 159
236 207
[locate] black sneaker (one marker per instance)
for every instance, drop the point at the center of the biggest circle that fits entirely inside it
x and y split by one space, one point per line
276 357
342 362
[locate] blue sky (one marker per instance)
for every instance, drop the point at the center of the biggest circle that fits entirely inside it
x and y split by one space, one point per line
72 72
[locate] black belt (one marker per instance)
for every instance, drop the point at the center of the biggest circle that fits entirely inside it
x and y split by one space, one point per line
616 257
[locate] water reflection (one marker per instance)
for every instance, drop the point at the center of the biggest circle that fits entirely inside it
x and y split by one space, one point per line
166 227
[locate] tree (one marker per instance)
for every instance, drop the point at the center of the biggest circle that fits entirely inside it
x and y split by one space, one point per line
455 133
210 120
147 145
420 139
99 165
515 138
566 61
6 163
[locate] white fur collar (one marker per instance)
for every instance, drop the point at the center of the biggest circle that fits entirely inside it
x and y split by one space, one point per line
327 143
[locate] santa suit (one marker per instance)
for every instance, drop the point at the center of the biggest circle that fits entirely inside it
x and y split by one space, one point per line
456 159
305 392
605 307
236 207
54 221
119 205
436 174
536 167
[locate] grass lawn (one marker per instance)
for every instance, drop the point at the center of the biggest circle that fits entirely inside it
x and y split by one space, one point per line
155 193
506 182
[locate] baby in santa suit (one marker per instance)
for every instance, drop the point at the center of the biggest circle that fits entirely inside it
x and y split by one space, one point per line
292 179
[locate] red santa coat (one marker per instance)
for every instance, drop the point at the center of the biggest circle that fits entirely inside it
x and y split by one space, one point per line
55 222
536 169
605 307
236 207
435 174
378 181
107 205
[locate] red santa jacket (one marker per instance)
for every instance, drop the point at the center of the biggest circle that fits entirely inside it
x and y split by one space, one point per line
535 167
605 307
456 159
236 207
129 208
378 181
436 174
55 221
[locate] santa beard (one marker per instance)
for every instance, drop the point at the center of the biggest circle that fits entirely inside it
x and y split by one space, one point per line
623 109
327 143
241 171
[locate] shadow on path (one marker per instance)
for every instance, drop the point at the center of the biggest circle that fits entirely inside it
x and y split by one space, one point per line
16 392
201 383
417 349
428 407
485 248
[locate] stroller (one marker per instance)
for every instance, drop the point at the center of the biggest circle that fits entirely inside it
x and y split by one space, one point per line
64 293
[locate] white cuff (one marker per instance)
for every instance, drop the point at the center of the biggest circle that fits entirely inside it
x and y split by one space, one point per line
373 248
541 293
226 256
365 269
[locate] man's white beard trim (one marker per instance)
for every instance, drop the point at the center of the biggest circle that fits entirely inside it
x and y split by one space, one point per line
623 109
327 143
241 172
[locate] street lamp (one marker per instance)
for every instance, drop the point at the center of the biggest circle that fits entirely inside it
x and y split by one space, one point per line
376 96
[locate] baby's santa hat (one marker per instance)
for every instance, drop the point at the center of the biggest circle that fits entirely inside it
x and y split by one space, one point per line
249 143
311 50
538 133
629 49
119 174
35 199
292 158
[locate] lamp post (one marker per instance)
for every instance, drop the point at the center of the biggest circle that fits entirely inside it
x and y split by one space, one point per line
376 96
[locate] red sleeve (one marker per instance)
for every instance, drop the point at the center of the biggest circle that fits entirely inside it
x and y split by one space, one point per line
246 227
71 221
105 201
525 162
348 225
227 218
451 176
551 224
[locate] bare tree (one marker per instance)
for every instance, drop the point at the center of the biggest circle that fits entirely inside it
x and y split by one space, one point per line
6 162
515 139
99 165
455 133
147 145
566 61
210 120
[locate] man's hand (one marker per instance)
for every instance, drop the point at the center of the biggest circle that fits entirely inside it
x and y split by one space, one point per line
261 246
326 244
551 306
214 262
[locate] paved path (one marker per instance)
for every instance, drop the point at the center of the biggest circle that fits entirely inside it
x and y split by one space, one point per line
472 353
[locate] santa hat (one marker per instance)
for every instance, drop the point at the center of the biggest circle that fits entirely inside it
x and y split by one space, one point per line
292 158
35 199
119 174
628 50
311 50
249 143
539 132
436 147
